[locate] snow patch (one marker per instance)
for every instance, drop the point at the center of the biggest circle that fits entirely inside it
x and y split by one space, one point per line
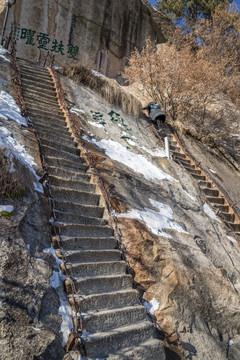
11 148
97 74
152 306
231 342
155 153
156 220
235 135
3 52
212 171
209 212
136 162
77 111
6 208
54 280
36 329
51 251
9 109
232 239
95 124
66 313
191 197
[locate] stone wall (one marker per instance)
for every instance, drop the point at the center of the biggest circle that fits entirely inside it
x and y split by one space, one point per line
100 33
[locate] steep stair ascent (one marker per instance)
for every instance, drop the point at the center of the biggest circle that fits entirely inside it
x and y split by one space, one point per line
114 325
213 195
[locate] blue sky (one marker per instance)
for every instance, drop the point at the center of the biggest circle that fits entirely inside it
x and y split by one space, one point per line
236 1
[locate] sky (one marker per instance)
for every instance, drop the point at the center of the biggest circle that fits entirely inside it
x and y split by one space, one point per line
236 1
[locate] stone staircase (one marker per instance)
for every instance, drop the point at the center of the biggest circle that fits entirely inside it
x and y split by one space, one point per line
212 194
115 325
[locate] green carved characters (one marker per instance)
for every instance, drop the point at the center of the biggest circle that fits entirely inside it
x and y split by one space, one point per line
43 41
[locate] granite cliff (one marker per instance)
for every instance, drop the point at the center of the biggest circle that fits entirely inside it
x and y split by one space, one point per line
101 33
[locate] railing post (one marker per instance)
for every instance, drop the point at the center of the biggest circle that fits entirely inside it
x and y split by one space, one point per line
167 146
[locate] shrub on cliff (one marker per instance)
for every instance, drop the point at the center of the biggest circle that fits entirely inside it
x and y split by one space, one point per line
191 71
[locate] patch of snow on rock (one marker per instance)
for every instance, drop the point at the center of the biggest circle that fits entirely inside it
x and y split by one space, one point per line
95 124
11 148
9 109
212 171
66 313
156 153
97 74
77 111
190 196
152 306
6 208
54 280
136 162
210 213
156 220
3 52
232 239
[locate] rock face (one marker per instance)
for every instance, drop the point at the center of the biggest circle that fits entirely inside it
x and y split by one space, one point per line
198 293
100 33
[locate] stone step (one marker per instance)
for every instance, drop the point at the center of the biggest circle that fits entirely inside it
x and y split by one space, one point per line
54 123
40 77
174 148
87 243
71 218
233 226
152 349
79 230
33 68
92 255
66 164
100 284
58 153
30 89
110 300
49 120
37 85
37 96
210 192
198 177
61 132
224 208
185 161
216 200
72 184
230 217
87 270
205 184
48 102
68 174
42 110
179 155
77 209
72 149
102 344
75 196
193 171
188 166
106 320
60 140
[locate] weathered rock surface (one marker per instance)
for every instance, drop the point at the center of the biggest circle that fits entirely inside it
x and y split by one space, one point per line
106 32
198 293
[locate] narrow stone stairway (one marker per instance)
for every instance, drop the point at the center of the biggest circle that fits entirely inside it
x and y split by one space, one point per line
115 325
210 191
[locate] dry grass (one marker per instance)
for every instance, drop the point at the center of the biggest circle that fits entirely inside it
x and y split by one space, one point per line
108 89
11 185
